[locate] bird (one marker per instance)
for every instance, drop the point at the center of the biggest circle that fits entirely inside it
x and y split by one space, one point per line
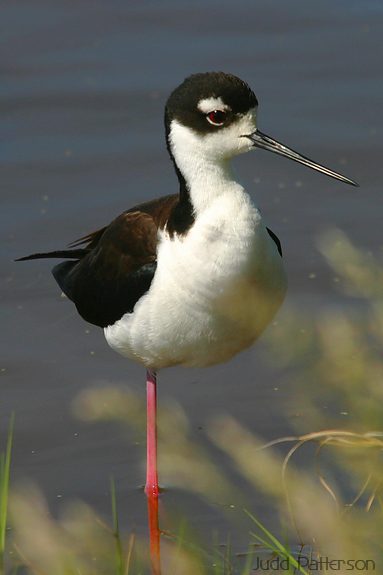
194 277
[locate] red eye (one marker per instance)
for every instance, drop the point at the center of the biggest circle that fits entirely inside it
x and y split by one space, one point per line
216 118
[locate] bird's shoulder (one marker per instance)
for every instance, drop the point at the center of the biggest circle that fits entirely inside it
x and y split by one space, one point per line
117 264
135 231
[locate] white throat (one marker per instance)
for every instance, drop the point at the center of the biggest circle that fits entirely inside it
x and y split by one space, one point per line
206 180
204 161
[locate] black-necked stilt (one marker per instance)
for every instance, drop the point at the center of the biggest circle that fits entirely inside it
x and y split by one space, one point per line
193 278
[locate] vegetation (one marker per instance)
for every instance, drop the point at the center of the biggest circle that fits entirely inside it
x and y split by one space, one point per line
329 508
5 467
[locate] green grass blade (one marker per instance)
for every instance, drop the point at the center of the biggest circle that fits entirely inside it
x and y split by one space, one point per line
116 530
5 469
246 570
266 544
275 543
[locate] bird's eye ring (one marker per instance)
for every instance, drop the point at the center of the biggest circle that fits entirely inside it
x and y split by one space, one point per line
216 117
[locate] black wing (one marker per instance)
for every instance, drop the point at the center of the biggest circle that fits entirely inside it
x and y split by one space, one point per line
115 268
111 277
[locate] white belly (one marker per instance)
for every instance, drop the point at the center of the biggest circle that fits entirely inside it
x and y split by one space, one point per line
214 292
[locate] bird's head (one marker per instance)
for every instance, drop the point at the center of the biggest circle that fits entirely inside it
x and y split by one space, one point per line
213 116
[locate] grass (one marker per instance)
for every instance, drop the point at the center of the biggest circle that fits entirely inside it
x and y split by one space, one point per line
116 531
332 502
5 469
272 543
122 557
82 544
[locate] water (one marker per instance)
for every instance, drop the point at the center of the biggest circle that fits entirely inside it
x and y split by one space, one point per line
82 95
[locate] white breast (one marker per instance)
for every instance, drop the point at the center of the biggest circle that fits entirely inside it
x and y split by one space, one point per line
214 290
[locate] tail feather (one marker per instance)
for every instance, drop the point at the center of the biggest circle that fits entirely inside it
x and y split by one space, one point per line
67 254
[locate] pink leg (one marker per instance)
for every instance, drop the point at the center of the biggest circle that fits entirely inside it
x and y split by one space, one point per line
151 487
154 535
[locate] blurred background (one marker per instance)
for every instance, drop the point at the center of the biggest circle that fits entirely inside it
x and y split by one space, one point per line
82 95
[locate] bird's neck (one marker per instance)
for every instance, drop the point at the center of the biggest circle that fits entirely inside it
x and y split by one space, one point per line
206 181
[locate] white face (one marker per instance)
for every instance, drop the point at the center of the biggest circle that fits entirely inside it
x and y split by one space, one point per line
219 142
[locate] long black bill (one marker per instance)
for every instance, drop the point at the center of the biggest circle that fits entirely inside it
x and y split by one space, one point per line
262 141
